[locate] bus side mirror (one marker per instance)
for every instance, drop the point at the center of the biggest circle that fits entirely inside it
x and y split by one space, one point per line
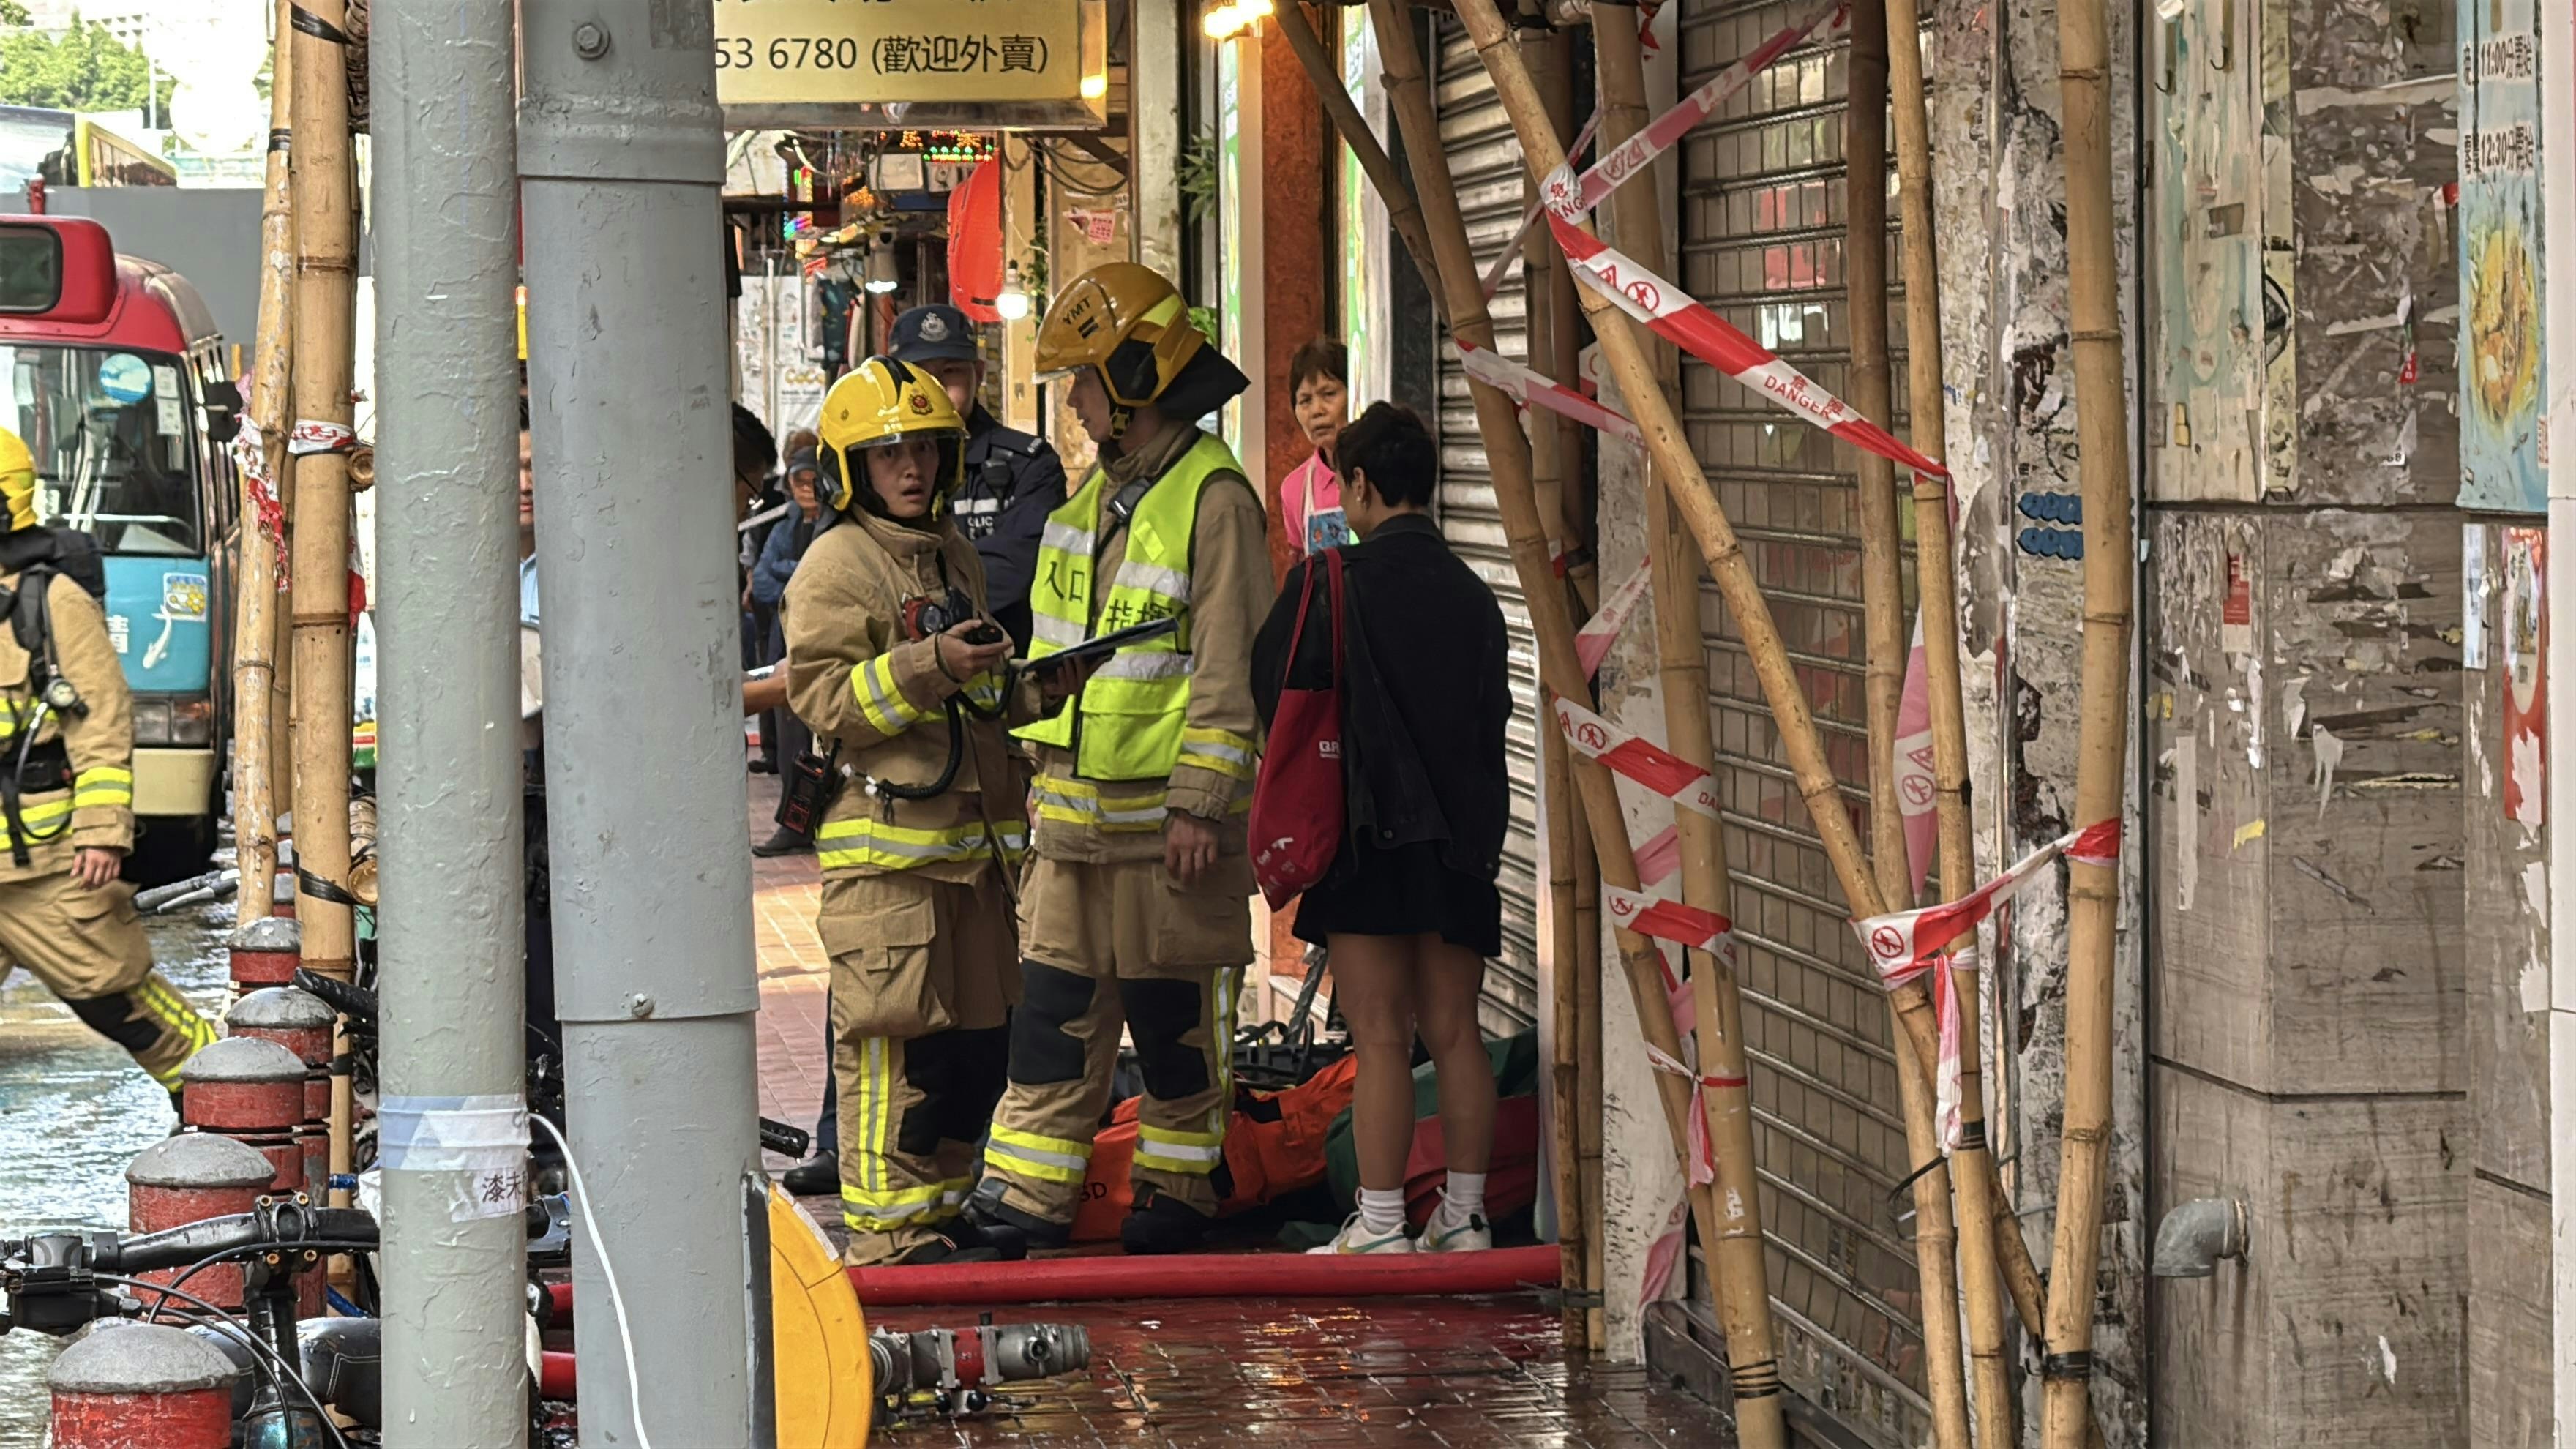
223 409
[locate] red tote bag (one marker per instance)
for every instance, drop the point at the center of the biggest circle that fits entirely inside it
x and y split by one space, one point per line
1298 809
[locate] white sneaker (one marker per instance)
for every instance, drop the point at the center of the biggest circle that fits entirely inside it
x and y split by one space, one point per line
1471 1236
1354 1238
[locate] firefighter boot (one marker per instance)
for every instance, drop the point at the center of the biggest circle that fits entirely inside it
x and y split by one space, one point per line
996 1220
1162 1223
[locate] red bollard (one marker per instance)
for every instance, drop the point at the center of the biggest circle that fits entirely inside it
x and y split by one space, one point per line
299 1022
264 953
252 1091
189 1178
125 1385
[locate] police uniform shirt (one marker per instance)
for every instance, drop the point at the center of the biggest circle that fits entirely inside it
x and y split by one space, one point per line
1013 481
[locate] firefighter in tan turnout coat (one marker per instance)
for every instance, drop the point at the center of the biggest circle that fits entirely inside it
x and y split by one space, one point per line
894 661
67 792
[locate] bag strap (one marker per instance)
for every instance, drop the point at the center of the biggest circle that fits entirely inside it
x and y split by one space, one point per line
1296 636
1334 557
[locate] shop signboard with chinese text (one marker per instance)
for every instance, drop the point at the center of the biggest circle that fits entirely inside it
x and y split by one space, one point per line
1023 64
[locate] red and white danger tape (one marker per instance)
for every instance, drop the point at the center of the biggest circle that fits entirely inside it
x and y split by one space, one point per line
1573 197
314 435
1904 946
1641 760
1531 388
1703 334
1592 642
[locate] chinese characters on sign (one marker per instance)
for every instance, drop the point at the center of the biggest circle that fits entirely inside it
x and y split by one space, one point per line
2502 446
954 63
959 54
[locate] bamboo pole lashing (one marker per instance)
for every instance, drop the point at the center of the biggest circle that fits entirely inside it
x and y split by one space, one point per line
1883 627
1507 455
2092 904
1736 1255
255 606
1936 583
1622 349
323 185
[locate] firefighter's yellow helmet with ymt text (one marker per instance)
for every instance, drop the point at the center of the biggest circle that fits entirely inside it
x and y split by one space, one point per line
883 401
17 481
1125 322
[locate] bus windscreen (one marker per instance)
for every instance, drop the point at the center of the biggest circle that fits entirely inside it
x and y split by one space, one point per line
110 431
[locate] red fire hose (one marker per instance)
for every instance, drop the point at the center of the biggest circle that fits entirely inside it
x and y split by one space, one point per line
1113 1277
1210 1275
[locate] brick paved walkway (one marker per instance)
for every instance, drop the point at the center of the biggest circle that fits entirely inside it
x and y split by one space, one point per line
1464 1374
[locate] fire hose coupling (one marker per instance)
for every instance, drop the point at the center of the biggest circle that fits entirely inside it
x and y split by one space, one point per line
958 1363
481 1140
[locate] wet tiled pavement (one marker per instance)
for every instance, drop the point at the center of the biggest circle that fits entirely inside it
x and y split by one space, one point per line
1467 1374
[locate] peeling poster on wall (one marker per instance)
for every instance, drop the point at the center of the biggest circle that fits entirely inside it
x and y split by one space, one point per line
2524 625
2501 367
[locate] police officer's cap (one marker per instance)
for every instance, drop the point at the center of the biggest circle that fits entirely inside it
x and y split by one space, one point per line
936 333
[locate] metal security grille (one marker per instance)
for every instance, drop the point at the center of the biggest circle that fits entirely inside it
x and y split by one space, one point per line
1762 242
1485 159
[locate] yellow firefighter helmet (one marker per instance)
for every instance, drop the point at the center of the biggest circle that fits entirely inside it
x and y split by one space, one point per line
17 481
883 401
1128 324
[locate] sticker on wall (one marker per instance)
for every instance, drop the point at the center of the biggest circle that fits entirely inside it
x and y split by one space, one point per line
2524 623
2473 596
2500 259
2236 612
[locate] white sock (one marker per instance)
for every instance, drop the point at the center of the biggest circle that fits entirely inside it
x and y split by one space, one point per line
1382 1212
1463 1199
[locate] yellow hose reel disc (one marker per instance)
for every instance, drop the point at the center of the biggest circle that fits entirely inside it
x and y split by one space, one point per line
819 1338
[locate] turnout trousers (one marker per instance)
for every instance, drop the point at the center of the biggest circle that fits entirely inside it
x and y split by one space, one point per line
1112 946
88 948
922 983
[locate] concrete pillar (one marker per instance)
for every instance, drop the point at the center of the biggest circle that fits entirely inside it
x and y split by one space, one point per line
620 138
1157 33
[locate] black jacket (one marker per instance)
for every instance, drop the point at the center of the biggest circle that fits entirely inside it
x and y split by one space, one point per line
1013 481
1427 697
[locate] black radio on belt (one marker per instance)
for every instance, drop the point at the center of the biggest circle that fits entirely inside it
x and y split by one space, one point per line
811 782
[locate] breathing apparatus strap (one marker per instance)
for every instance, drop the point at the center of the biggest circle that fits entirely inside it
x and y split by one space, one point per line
17 823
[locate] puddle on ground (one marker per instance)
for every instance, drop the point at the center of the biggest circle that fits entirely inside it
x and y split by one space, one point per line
74 1110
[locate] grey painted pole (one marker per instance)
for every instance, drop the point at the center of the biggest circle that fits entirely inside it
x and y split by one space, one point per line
445 184
621 155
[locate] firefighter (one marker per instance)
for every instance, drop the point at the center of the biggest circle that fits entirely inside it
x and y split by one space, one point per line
1135 911
897 666
67 791
1013 479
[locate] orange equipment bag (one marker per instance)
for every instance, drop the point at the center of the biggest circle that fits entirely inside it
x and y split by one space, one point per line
1274 1144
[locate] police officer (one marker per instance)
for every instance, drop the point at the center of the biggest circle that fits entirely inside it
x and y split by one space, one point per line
1136 911
894 662
1013 479
67 791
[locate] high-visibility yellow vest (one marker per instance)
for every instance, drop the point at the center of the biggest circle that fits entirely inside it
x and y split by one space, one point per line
1127 723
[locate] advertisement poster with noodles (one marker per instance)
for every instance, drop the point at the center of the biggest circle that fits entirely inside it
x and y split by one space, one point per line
2503 461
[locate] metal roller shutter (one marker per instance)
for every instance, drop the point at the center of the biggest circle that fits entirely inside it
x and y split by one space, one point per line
1485 160
1762 241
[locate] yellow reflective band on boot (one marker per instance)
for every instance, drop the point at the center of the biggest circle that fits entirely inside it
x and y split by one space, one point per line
103 785
1193 1154
881 701
1050 1159
1223 751
867 841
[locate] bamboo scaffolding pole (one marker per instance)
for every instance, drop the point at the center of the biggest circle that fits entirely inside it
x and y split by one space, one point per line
1507 454
1587 1075
1403 213
1549 454
1623 348
1883 625
323 186
255 610
2092 892
1936 585
1736 1255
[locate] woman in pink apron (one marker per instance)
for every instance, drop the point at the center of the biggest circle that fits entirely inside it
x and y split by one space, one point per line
1310 497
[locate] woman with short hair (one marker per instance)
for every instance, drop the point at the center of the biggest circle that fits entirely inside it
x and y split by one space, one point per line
1408 910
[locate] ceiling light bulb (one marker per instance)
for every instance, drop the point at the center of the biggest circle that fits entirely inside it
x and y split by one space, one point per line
1013 303
1094 87
881 272
1222 22
1256 9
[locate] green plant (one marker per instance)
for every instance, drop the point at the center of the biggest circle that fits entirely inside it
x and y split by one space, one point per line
1198 174
1206 320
